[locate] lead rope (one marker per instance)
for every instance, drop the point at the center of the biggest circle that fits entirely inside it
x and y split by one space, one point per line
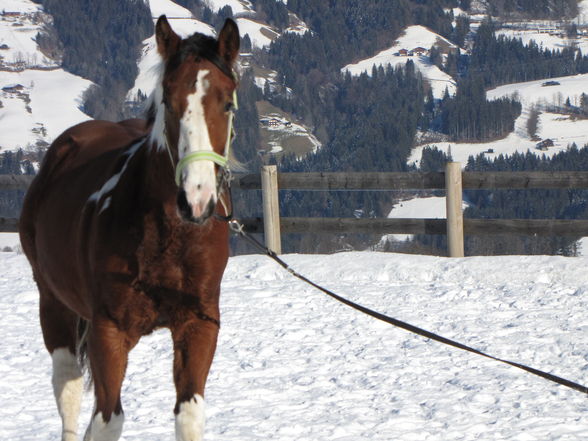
239 229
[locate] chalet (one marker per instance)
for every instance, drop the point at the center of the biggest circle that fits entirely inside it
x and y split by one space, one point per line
403 52
271 122
420 51
543 145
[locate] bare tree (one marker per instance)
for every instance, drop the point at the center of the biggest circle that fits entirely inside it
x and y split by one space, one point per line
533 122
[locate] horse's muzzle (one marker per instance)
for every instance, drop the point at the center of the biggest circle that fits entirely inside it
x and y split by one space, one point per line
197 213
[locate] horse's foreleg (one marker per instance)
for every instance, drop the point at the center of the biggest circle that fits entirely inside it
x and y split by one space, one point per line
59 327
194 346
108 349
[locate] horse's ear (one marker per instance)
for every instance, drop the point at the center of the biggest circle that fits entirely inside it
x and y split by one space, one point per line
167 40
229 41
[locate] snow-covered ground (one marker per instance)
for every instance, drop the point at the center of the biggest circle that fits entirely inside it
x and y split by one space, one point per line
547 40
295 365
38 100
9 240
413 37
238 6
561 129
430 207
261 35
582 11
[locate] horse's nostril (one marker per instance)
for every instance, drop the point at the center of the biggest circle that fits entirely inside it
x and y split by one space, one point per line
199 187
183 205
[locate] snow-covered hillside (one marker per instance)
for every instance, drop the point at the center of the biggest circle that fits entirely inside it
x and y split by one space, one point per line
414 37
38 100
184 23
561 129
295 365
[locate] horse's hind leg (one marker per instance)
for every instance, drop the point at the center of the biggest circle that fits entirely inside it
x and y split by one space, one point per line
59 326
108 349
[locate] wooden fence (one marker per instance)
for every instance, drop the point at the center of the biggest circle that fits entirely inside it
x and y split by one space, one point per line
453 180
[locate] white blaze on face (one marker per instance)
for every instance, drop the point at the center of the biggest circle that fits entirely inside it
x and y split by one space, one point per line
199 178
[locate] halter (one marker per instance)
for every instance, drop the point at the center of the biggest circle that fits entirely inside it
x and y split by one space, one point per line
221 160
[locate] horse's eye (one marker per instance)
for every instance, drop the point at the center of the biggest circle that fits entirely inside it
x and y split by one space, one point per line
228 107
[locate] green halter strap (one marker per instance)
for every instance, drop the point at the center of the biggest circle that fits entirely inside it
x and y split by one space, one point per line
220 160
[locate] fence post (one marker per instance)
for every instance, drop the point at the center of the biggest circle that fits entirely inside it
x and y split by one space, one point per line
453 189
271 208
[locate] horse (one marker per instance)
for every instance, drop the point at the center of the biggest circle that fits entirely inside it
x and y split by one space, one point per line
125 228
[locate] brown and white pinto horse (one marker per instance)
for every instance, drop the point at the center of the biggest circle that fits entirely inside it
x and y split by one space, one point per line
121 243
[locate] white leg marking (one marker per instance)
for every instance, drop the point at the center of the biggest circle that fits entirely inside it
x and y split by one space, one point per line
190 420
199 176
68 387
100 430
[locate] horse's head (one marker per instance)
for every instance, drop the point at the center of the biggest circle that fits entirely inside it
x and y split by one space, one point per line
196 99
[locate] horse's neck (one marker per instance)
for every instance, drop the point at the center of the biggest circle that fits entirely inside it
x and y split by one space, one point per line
158 183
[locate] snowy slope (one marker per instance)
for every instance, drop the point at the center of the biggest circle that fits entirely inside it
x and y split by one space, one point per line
38 99
583 11
413 37
261 34
294 365
48 103
238 6
169 8
560 128
184 24
547 40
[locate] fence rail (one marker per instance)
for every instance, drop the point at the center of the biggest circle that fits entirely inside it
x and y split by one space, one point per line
454 226
473 227
273 226
344 181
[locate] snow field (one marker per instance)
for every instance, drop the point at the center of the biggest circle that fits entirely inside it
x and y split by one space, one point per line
42 100
54 100
293 364
559 128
